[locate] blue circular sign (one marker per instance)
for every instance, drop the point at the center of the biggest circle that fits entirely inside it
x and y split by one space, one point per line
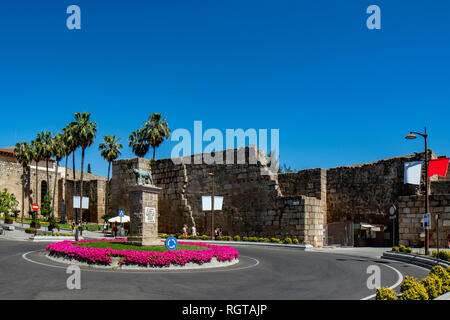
171 243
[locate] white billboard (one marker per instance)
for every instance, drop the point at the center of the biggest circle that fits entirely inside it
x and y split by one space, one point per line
84 204
206 203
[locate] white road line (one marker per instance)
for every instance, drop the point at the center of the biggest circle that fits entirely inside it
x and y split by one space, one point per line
24 256
399 281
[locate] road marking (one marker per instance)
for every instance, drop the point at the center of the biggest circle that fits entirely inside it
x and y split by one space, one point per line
24 256
399 281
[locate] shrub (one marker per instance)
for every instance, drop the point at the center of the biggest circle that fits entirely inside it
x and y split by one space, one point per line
395 249
443 255
226 238
275 240
30 230
219 238
266 240
288 240
296 241
261 239
204 237
413 290
237 238
385 294
253 239
244 238
442 274
433 285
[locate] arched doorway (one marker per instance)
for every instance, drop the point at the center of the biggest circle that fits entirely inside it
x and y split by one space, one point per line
44 190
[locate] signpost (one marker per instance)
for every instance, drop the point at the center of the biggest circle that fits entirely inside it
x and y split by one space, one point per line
121 214
35 208
392 216
171 243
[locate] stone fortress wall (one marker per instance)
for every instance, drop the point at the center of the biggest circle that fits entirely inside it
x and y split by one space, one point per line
296 204
254 204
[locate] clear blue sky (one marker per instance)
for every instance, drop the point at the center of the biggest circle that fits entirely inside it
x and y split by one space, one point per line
339 93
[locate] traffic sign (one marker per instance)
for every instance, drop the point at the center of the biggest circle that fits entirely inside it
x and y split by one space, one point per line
171 243
427 221
392 210
35 207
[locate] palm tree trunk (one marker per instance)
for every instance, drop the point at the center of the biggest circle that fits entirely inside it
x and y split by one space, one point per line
81 183
154 149
74 184
23 190
107 190
48 180
54 188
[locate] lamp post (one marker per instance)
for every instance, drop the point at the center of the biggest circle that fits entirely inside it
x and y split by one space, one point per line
410 136
212 206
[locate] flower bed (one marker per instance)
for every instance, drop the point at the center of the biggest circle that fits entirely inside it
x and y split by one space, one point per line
102 256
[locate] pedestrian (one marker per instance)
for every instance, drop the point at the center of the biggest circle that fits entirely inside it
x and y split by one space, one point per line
80 226
114 230
184 230
194 230
73 225
105 227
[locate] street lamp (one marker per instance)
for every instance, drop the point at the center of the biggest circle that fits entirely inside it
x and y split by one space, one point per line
410 136
212 206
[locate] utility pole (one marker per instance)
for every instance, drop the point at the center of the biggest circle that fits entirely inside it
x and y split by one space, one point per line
212 206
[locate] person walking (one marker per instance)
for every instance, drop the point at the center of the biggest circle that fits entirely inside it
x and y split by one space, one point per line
184 230
105 227
114 230
73 226
194 230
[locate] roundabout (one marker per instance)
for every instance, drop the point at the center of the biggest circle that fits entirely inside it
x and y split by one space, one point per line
119 254
261 273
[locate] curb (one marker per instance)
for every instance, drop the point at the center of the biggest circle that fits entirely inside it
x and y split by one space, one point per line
445 296
304 247
52 238
415 259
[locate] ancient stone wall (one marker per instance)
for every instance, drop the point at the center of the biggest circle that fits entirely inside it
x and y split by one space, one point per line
411 210
95 190
11 175
309 182
365 192
253 202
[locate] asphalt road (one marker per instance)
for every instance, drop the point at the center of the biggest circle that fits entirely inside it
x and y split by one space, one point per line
262 273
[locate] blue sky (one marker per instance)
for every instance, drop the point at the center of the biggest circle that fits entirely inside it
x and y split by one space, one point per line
339 93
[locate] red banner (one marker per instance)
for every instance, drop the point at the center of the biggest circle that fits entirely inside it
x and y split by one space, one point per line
438 166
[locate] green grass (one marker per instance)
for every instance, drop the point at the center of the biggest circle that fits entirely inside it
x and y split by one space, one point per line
124 246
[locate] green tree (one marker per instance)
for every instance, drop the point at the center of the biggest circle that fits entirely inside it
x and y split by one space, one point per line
138 144
110 151
7 203
156 130
71 145
85 131
46 207
24 154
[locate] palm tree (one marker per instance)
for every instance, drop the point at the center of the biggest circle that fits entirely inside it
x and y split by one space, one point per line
23 154
138 144
156 130
110 151
58 151
45 139
85 131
